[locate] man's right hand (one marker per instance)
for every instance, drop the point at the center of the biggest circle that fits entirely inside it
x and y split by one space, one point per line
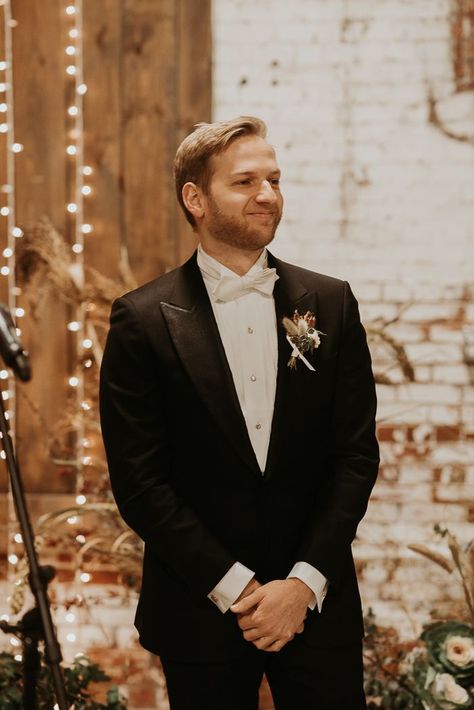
251 587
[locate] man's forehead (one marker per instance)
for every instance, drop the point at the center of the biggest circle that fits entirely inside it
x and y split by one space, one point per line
244 155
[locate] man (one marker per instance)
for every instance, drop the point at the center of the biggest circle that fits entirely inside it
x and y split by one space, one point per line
238 415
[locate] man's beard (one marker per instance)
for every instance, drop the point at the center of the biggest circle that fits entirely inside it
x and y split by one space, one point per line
236 233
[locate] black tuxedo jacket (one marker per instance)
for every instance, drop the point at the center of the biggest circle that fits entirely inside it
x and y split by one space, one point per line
184 474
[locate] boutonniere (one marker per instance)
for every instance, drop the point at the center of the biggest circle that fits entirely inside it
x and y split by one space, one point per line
302 336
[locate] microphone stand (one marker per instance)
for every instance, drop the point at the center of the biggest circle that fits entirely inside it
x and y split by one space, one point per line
36 624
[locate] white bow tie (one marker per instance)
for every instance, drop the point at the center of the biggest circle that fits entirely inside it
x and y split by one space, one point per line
231 287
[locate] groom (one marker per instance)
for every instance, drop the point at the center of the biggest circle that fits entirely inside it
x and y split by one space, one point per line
238 410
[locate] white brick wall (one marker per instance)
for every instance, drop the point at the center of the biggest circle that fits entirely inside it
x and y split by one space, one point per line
376 194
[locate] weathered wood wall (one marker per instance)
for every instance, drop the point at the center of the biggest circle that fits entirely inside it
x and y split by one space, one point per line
147 65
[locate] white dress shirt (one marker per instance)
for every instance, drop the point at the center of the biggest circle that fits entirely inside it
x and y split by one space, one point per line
248 329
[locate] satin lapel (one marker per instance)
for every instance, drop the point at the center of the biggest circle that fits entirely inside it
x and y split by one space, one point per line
194 332
289 295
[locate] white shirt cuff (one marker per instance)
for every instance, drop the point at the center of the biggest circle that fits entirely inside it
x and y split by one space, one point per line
231 586
313 578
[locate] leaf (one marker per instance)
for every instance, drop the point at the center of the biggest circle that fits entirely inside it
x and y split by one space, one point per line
434 556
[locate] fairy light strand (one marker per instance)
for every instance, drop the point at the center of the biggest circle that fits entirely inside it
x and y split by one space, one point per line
13 232
75 208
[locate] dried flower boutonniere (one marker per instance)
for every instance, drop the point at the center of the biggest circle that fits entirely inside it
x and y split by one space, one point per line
302 336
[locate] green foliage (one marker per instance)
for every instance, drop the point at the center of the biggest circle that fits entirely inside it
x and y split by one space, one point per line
77 678
434 672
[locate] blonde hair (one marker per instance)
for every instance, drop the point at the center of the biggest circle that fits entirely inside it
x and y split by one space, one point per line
192 159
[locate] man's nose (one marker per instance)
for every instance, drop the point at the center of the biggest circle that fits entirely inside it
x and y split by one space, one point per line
266 192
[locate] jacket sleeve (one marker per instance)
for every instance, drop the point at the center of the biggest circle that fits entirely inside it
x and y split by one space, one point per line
354 452
134 431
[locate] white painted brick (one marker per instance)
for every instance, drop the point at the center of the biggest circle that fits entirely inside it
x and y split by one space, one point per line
416 492
423 373
461 453
386 393
406 333
415 474
446 334
378 311
435 394
434 353
431 312
470 312
380 511
454 492
468 395
368 292
445 415
452 374
399 412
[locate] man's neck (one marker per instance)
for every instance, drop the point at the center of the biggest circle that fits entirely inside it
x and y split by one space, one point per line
237 260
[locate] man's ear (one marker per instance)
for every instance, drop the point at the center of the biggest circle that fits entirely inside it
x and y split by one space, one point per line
193 199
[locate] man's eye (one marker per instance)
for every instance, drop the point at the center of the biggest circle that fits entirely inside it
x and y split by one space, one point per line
244 182
276 181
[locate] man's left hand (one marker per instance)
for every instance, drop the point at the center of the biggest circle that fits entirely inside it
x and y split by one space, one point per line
272 614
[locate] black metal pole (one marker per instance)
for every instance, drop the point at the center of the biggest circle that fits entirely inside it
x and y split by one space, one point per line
38 583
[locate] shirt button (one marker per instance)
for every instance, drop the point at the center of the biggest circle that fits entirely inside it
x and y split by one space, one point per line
252 378
258 426
249 330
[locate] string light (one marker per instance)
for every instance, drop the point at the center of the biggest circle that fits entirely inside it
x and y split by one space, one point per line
12 149
81 188
79 228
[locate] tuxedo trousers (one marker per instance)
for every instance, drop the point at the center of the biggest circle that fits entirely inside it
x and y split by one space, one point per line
300 678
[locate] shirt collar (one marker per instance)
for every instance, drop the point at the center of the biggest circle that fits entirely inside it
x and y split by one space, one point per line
213 270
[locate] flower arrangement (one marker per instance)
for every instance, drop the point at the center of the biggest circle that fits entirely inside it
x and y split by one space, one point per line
436 670
302 336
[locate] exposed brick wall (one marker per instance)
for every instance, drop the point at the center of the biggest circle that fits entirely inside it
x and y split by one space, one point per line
377 154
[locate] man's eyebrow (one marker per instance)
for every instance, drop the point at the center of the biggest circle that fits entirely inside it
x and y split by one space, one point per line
253 172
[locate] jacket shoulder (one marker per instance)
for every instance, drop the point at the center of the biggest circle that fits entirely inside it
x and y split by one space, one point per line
311 279
151 291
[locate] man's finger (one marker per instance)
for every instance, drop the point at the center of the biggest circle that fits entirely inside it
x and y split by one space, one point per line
247 602
246 622
275 646
300 629
252 635
264 642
